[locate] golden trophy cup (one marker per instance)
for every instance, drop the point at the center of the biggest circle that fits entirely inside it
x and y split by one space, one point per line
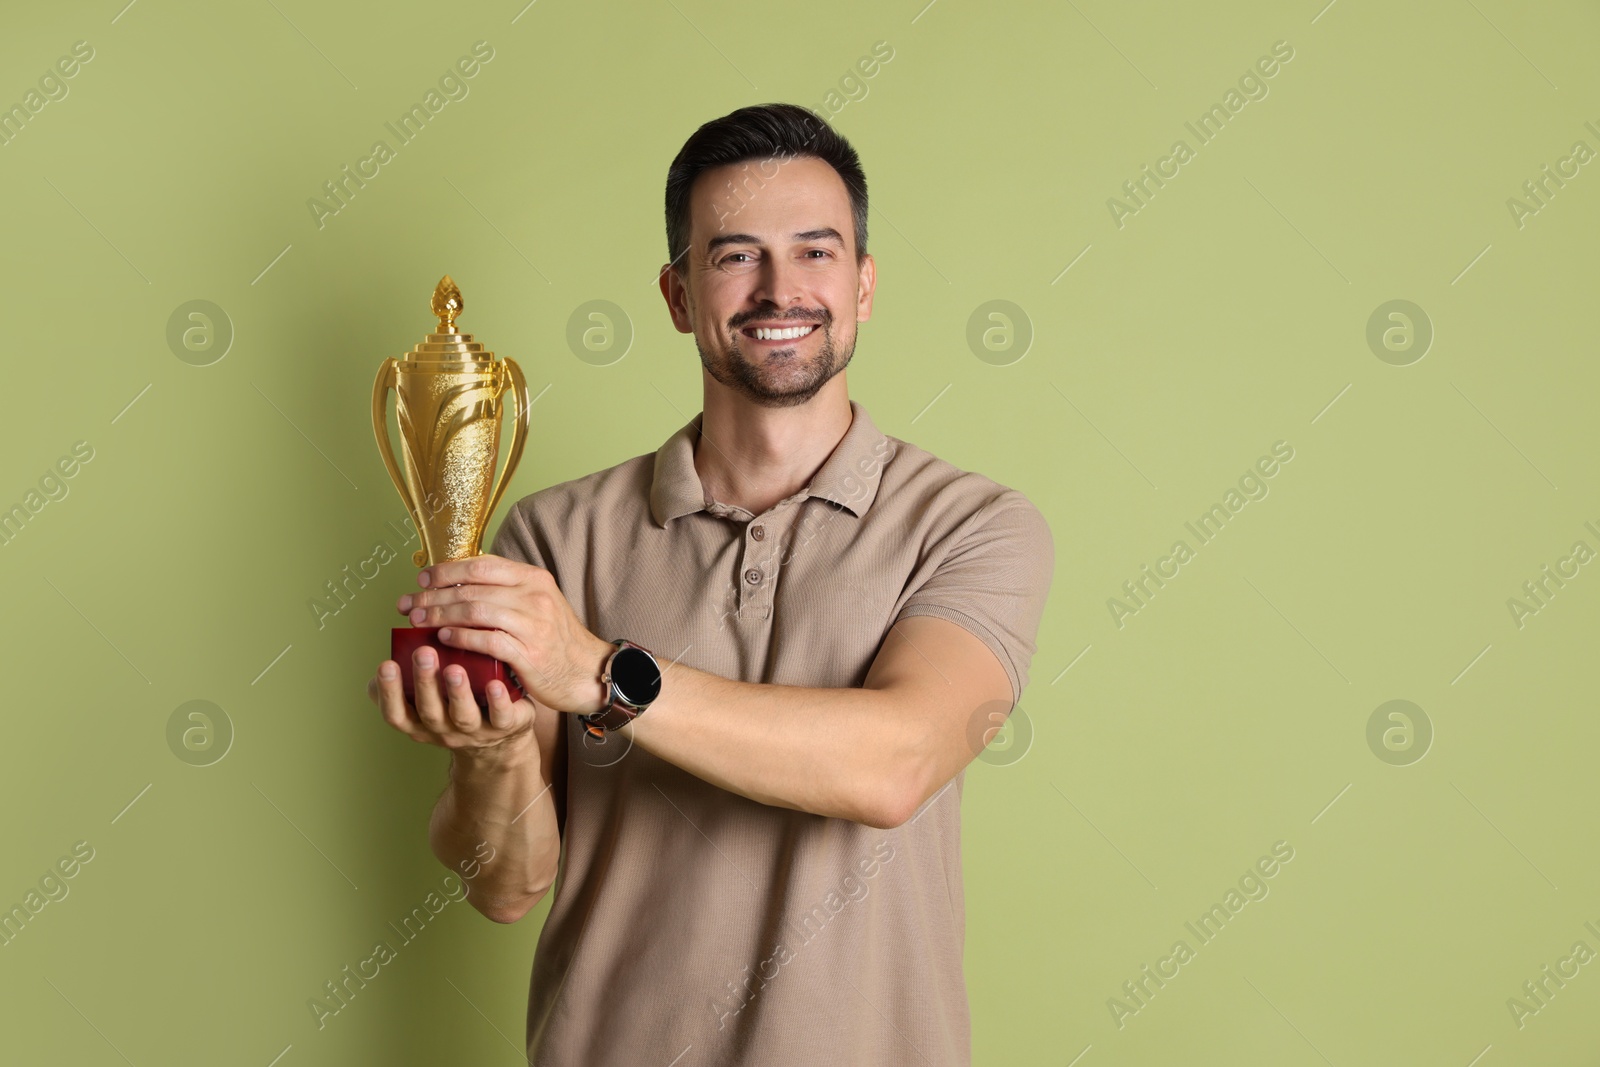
448 399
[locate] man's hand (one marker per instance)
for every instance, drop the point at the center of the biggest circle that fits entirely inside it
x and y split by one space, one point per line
515 613
446 714
500 771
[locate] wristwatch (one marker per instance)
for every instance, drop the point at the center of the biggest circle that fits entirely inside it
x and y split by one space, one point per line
633 679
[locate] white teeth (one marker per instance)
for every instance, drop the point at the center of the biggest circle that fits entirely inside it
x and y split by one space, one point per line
784 335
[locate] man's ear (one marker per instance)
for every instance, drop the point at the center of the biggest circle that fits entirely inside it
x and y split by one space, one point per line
866 285
676 293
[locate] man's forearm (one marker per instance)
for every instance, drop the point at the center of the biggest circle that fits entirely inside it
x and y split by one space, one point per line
498 797
849 753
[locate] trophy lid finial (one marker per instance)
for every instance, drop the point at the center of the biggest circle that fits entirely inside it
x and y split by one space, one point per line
447 304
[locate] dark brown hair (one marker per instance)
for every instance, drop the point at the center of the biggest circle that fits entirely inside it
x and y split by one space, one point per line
758 132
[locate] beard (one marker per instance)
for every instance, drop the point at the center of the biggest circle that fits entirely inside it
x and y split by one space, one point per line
781 377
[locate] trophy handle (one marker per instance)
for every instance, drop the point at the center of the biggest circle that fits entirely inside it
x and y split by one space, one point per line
519 435
380 428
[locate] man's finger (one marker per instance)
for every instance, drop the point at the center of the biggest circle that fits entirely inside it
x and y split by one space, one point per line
481 570
505 715
451 594
392 699
493 643
464 712
482 614
497 644
425 690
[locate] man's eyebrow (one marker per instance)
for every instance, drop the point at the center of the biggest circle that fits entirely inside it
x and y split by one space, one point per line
826 233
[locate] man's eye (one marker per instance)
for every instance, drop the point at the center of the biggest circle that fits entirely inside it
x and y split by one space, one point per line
820 251
729 259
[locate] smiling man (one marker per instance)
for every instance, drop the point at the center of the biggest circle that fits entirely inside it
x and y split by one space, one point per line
760 659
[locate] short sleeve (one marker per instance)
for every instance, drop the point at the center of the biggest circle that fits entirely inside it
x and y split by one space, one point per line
993 582
516 539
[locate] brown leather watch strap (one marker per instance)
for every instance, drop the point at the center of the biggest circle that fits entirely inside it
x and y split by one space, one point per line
616 714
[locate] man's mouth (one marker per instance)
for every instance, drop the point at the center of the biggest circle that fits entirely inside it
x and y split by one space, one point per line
779 333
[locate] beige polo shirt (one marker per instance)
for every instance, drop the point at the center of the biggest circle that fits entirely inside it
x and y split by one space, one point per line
690 926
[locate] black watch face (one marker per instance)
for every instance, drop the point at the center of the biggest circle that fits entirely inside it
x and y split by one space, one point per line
636 676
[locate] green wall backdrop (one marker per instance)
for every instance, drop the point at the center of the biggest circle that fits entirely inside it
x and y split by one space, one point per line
1372 275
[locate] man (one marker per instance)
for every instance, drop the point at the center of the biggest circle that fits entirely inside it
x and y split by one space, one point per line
762 866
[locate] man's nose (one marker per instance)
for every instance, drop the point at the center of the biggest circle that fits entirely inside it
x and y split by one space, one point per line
781 283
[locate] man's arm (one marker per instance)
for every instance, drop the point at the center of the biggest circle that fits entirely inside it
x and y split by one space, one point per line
872 755
496 822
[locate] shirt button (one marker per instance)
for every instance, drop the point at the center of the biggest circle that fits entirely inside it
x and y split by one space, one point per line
758 532
752 576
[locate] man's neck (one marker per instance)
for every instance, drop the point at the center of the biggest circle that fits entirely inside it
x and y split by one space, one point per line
751 457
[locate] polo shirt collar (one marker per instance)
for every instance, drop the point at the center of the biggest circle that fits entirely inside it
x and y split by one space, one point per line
848 477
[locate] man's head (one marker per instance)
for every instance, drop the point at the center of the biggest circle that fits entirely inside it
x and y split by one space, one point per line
767 229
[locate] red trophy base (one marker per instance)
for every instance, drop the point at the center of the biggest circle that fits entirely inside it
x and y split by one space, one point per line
481 668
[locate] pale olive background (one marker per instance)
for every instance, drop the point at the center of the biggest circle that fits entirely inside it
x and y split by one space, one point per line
1166 755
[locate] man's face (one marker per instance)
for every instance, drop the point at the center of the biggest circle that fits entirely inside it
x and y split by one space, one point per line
773 251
